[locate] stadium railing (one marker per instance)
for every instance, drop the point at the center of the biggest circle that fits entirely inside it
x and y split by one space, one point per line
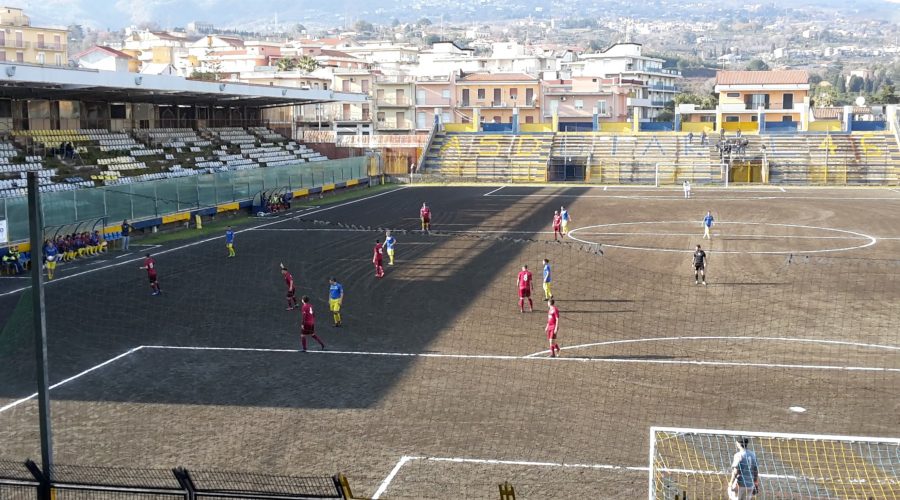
175 198
27 480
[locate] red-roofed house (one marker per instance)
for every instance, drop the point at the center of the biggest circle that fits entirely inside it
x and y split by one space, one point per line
778 99
105 58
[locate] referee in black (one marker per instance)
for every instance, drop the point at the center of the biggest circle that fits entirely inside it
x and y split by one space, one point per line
699 263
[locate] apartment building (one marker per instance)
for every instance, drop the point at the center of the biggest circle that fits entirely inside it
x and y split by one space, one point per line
626 61
575 101
24 43
435 97
496 96
394 103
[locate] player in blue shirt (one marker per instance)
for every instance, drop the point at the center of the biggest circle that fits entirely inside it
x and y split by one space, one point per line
335 299
547 293
51 254
229 241
707 225
389 242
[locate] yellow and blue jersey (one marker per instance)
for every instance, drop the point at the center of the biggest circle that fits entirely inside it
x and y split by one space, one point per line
229 237
547 273
389 243
335 291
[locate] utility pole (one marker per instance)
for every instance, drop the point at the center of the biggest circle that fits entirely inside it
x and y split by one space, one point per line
36 226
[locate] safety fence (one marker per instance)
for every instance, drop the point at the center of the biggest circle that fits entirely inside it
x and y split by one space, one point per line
28 481
158 198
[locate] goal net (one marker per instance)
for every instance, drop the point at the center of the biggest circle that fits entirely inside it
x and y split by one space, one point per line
699 173
697 463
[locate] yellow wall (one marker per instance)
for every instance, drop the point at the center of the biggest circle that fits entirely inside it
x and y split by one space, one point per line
747 126
458 127
535 127
616 127
825 126
697 127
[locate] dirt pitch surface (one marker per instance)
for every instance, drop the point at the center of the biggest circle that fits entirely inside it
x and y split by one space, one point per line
437 386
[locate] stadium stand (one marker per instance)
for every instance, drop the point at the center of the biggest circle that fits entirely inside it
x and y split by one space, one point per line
490 156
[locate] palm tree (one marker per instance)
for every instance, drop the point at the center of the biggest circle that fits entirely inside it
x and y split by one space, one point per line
307 64
286 64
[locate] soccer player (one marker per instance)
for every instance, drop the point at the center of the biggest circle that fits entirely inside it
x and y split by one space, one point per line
291 289
523 281
566 219
557 223
552 327
150 266
687 189
548 294
308 324
744 482
229 241
425 215
707 225
389 242
51 254
699 263
335 299
378 259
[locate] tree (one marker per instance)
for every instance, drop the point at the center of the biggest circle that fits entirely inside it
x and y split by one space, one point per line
857 85
702 101
887 94
825 95
757 65
363 26
286 64
423 22
307 64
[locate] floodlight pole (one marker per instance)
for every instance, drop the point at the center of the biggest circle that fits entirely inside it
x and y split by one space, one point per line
36 225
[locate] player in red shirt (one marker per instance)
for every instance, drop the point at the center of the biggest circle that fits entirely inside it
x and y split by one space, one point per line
377 259
425 215
557 224
524 281
308 324
552 328
150 266
291 289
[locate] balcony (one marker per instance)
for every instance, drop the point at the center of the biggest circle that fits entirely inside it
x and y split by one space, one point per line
663 88
393 124
434 102
392 101
638 102
658 104
499 104
771 106
56 47
15 44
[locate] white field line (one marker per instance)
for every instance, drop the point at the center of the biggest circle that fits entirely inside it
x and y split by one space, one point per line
782 190
776 435
664 197
200 242
73 377
390 477
534 357
494 191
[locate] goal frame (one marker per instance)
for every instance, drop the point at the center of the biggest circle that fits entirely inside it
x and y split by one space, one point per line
723 169
651 473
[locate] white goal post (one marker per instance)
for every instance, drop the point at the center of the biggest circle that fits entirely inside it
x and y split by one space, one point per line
697 462
672 174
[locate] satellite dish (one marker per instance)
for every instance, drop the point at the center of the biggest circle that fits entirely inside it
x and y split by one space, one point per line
860 101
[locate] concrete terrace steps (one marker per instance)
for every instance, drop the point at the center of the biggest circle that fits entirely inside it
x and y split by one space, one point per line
500 156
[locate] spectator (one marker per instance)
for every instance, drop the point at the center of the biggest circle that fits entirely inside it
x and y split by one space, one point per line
738 133
703 139
70 150
690 137
12 263
126 231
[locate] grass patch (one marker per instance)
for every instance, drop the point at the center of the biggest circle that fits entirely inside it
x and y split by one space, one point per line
216 226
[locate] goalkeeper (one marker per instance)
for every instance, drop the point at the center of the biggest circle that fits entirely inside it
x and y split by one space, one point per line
744 483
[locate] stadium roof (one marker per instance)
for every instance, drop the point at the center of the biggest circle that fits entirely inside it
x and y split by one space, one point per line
26 81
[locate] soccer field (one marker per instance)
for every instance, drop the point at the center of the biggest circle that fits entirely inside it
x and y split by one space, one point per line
437 386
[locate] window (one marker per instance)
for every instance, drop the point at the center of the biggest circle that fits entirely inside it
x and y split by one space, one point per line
5 108
733 94
754 118
41 58
529 119
787 119
2 55
445 93
324 86
513 94
420 96
496 119
380 116
481 94
57 59
732 119
20 57
601 107
420 119
445 117
579 104
756 101
117 111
